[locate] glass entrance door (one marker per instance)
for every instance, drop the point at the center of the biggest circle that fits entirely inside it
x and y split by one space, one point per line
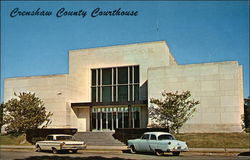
110 118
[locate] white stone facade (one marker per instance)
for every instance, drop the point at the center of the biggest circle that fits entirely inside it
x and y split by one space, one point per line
218 86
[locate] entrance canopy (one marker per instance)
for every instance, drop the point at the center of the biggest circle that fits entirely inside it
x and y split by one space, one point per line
130 103
107 116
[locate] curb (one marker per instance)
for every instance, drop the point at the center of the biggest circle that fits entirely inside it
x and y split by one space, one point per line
120 148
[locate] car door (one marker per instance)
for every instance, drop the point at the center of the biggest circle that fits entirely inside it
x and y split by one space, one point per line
46 143
143 143
152 142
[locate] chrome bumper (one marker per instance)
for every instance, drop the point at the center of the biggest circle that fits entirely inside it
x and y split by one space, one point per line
74 147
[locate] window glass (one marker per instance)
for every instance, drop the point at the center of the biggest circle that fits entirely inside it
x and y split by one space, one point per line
136 74
107 76
107 94
104 124
93 77
50 138
93 94
114 93
136 117
153 137
165 137
145 136
123 75
122 93
114 75
69 138
99 76
131 92
99 93
136 92
120 120
126 120
94 120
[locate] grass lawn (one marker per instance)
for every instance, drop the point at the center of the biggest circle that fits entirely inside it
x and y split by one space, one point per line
194 140
215 140
12 140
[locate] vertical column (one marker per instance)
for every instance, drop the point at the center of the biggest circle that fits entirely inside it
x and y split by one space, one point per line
101 119
133 86
112 85
90 118
100 85
116 69
96 89
128 84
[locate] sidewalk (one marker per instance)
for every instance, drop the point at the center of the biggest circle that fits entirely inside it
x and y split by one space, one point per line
119 148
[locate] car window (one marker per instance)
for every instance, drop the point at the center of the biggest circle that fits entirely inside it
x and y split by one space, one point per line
152 137
166 137
49 138
145 136
64 138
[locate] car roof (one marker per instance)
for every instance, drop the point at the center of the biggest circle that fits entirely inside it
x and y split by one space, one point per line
157 133
59 135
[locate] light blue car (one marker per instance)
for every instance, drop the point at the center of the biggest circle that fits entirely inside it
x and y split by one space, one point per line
157 142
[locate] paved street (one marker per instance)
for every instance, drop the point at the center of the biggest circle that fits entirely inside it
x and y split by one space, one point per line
108 155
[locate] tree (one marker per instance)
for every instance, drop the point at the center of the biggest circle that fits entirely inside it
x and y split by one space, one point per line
173 110
246 116
1 115
25 112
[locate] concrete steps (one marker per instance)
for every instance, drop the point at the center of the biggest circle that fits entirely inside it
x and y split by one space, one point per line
98 138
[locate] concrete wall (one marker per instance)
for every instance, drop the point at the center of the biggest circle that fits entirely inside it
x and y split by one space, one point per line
218 87
51 89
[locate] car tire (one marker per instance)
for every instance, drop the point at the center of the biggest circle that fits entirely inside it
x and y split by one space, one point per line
176 153
38 148
132 149
54 150
74 151
159 152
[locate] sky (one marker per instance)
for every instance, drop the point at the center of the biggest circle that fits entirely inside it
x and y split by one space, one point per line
196 32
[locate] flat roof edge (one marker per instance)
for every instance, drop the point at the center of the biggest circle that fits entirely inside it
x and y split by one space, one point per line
120 45
33 77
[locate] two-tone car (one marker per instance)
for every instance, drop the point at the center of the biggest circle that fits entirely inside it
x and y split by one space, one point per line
157 142
60 142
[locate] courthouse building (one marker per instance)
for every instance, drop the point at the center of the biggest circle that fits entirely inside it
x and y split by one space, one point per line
110 87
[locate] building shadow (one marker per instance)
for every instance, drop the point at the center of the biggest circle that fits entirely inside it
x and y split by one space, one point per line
244 154
70 158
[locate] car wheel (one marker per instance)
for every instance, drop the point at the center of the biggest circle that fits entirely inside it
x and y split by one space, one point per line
74 151
132 149
176 153
54 151
38 148
159 152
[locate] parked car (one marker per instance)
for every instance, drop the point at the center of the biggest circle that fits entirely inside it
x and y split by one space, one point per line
60 142
157 142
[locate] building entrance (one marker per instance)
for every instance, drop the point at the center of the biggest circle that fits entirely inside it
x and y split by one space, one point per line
110 118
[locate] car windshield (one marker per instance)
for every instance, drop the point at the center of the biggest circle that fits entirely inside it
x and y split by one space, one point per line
69 138
166 137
